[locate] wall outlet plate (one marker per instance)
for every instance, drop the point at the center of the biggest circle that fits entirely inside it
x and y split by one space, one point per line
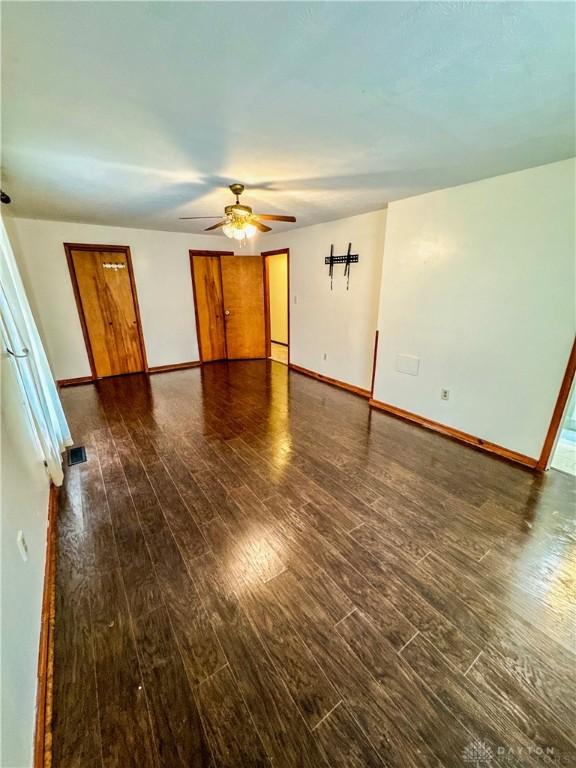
408 364
444 394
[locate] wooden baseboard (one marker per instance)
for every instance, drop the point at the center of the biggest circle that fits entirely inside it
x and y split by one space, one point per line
74 382
334 382
153 369
43 729
456 434
174 367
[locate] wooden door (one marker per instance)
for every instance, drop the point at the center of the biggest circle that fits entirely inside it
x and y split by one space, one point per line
207 283
108 309
243 291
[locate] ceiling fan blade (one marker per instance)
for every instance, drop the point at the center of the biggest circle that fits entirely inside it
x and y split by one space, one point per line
215 226
189 218
260 226
273 217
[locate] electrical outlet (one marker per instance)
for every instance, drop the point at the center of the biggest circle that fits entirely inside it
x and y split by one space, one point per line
295 299
325 355
22 546
444 394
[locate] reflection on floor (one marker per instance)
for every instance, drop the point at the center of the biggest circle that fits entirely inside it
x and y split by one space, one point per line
564 457
279 352
255 569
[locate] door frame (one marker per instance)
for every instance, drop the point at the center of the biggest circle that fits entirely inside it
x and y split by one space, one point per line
69 247
559 409
265 254
204 252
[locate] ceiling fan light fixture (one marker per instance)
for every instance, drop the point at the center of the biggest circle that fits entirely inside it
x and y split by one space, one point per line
239 221
228 230
239 228
239 235
250 229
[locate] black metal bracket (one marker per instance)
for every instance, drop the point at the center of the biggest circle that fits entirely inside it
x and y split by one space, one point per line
342 259
348 258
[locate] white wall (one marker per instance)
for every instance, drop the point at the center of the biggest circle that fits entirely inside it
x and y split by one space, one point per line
163 284
24 506
339 323
478 282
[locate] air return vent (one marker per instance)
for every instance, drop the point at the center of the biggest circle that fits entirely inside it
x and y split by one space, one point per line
76 455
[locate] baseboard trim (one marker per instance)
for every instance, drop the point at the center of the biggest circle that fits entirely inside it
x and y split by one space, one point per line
43 728
328 380
174 367
154 369
74 382
456 434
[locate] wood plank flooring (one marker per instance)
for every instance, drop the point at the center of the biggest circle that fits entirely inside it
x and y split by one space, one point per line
255 569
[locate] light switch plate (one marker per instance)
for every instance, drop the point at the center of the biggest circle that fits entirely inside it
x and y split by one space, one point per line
408 364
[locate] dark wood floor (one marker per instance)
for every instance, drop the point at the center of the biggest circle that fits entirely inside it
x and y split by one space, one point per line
255 569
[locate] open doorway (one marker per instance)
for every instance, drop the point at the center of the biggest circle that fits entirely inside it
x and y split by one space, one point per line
277 288
559 450
564 454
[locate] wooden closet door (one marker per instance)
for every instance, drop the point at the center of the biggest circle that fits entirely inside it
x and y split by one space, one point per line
107 303
208 306
243 289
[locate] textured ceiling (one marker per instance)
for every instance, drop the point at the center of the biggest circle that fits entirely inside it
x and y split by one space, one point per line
137 113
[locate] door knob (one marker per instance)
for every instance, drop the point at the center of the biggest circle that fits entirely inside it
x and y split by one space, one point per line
226 312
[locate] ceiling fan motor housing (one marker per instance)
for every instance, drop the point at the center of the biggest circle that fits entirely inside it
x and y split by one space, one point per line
238 210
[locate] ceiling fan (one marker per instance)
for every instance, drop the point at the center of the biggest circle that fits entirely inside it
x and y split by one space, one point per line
239 222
